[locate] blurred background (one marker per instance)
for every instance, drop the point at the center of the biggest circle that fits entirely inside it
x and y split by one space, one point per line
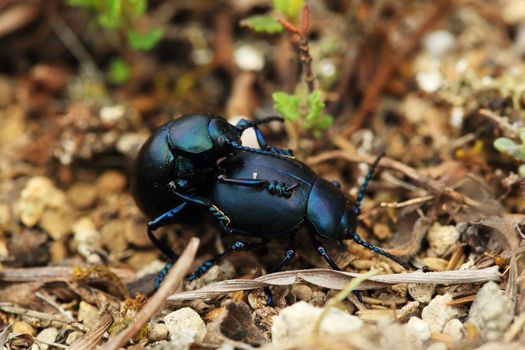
437 85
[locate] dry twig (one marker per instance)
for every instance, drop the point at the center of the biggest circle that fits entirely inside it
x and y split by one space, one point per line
169 285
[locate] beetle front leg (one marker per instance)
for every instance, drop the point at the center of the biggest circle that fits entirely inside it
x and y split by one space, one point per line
274 187
324 253
244 124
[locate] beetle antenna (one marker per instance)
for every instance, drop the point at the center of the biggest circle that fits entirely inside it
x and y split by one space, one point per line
251 124
379 251
361 193
238 147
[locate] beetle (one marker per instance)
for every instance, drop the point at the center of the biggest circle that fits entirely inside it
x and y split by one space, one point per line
180 159
315 202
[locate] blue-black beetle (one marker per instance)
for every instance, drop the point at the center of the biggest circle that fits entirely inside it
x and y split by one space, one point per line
180 159
318 203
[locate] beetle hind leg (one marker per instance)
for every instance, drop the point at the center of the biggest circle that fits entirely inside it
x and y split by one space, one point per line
236 246
290 253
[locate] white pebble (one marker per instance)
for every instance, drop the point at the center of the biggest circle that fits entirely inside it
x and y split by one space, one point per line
491 312
298 320
441 238
112 114
437 313
47 335
454 328
417 330
437 346
429 81
185 327
248 57
438 42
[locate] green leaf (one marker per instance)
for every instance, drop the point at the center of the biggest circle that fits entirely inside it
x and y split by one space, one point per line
286 105
521 170
262 24
315 106
290 8
505 145
325 122
144 41
137 7
118 71
111 17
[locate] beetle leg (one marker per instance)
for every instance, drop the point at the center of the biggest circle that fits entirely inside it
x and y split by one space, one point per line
274 187
290 253
160 221
201 201
244 124
236 246
323 252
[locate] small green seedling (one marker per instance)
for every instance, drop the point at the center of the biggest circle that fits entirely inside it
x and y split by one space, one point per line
291 9
508 146
122 17
306 110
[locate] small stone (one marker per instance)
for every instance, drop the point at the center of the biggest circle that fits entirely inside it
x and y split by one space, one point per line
429 81
58 222
417 330
297 321
400 289
58 251
129 143
24 328
437 313
113 236
438 42
408 310
302 292
87 313
112 114
437 346
185 326
86 236
454 328
146 262
158 332
318 298
135 233
82 195
110 181
34 198
361 264
441 239
47 335
247 57
491 312
73 336
421 292
256 300
381 231
435 264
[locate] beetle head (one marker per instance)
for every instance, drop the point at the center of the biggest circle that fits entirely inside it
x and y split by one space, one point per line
348 222
224 135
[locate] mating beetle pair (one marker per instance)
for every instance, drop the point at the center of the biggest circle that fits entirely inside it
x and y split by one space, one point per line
260 193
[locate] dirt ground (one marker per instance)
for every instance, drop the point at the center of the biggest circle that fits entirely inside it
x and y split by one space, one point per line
438 86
